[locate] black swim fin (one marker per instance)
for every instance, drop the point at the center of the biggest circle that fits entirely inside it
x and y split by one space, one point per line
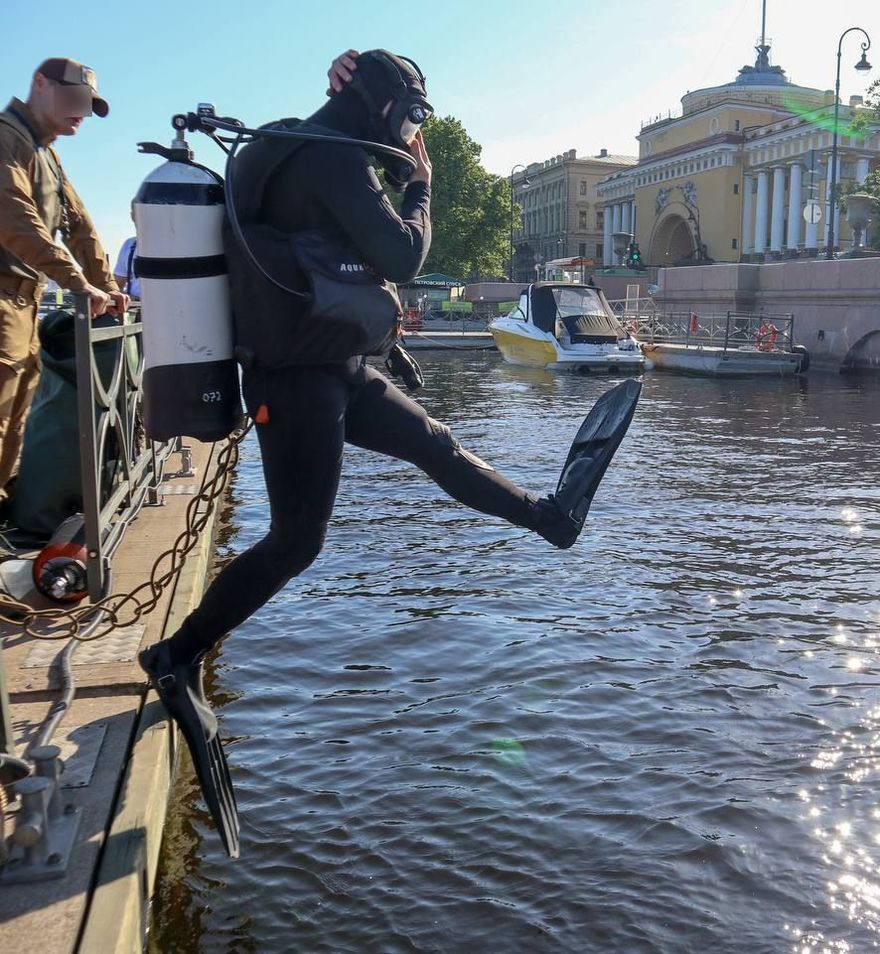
588 458
179 686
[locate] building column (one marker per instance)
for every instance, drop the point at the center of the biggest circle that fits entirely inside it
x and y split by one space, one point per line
616 217
625 223
777 226
747 238
615 227
795 206
761 213
827 208
607 253
632 205
863 167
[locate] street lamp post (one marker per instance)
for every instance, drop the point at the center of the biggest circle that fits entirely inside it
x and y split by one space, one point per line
516 168
862 66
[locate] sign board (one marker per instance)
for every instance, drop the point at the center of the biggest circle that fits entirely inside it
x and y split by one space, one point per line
457 306
812 213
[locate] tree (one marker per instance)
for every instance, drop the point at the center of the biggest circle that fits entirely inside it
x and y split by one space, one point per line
871 186
864 124
470 207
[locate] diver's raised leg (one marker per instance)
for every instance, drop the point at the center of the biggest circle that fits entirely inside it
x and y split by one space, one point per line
382 418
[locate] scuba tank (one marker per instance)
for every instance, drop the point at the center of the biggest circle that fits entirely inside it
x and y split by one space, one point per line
60 567
190 377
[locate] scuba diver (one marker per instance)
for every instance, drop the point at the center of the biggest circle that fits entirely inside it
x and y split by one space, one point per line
307 384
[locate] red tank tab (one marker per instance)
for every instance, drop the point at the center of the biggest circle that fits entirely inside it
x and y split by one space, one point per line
262 415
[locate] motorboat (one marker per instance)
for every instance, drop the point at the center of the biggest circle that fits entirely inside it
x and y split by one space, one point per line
565 327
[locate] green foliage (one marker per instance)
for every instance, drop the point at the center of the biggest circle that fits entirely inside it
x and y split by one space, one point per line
863 121
872 98
871 186
470 207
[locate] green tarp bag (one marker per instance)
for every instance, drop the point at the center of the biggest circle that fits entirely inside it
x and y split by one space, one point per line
49 485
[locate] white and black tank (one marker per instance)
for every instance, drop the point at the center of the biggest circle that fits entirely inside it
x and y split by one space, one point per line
191 383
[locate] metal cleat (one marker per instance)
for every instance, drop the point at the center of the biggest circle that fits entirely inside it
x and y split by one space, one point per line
45 831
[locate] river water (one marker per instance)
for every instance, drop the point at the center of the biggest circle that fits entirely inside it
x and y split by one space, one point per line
449 737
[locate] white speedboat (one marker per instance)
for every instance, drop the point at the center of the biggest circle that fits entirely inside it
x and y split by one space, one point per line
565 327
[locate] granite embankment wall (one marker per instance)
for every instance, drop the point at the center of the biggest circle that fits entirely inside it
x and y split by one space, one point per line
836 304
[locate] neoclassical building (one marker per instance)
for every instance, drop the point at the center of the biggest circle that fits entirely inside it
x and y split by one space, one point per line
732 177
560 215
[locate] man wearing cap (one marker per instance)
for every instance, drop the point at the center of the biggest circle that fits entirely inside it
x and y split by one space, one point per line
37 203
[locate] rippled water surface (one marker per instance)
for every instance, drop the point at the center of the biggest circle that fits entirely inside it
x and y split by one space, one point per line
449 737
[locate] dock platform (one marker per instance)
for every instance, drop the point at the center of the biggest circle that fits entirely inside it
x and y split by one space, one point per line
118 748
427 340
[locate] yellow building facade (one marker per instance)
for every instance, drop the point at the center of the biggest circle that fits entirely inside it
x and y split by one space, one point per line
730 178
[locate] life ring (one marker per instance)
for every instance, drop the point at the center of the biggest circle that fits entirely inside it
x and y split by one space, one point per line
766 336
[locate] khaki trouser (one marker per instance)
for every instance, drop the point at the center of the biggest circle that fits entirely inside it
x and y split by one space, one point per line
19 366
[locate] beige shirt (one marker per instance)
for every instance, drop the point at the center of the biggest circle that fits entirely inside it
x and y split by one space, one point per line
31 211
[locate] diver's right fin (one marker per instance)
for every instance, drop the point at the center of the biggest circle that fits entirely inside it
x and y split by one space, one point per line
179 686
588 458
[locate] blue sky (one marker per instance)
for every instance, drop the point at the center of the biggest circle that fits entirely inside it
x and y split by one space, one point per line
528 80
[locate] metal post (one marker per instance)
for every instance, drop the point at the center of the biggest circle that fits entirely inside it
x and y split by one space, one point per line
510 258
862 66
7 739
512 207
88 443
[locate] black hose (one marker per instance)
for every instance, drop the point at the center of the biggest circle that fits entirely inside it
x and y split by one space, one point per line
241 132
212 122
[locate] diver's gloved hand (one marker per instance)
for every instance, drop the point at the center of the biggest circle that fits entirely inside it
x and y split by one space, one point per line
559 517
423 170
399 174
401 364
341 70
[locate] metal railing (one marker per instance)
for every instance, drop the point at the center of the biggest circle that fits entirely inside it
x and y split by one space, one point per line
121 470
628 308
647 323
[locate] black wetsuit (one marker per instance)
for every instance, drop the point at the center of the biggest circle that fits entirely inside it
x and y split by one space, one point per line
315 409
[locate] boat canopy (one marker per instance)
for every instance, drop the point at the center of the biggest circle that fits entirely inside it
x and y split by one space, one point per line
579 308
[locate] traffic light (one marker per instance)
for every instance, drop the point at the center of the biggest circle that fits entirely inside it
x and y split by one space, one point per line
634 255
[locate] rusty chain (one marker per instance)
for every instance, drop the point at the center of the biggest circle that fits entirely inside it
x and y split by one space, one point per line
124 609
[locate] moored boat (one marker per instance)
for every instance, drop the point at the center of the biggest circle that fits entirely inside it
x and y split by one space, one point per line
731 345
565 327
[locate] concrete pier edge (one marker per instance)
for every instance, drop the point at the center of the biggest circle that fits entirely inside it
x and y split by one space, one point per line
117 917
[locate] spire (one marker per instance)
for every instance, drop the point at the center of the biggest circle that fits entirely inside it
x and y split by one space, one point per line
762 73
762 63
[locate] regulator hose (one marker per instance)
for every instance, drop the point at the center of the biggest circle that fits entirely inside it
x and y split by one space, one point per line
208 124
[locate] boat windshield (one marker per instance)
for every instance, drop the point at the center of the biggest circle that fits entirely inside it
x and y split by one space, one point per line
572 302
580 310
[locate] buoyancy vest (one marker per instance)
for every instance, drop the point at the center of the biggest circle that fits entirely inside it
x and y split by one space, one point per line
273 327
